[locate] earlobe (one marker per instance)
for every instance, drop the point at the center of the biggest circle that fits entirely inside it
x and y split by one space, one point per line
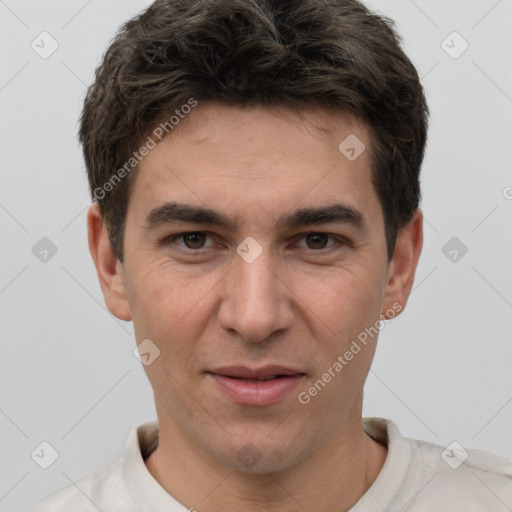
402 268
108 267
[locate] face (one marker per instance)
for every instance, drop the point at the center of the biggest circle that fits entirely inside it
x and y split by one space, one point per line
254 287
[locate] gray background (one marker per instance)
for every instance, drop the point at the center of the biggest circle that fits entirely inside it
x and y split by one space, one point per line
68 375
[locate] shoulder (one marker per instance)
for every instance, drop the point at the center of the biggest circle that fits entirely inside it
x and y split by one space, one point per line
420 476
102 490
107 489
464 479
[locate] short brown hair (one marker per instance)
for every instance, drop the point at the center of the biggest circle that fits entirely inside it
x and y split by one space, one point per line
331 53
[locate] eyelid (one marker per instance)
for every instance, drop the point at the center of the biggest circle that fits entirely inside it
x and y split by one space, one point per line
177 236
338 239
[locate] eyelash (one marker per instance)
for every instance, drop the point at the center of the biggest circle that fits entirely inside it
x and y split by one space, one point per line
340 241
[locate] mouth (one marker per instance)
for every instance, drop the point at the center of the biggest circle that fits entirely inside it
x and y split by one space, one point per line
259 379
256 386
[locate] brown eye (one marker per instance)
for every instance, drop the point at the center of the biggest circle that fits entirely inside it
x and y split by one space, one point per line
317 240
193 240
322 243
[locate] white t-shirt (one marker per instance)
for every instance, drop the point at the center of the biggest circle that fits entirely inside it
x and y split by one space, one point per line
417 477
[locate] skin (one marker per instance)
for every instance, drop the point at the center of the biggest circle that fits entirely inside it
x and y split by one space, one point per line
299 304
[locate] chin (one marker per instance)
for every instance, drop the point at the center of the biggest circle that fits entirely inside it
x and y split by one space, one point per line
262 455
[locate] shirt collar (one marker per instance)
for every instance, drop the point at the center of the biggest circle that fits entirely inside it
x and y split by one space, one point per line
393 474
150 496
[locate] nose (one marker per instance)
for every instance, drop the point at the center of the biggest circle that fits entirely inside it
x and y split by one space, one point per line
256 301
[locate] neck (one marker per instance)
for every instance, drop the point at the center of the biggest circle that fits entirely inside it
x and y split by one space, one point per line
334 477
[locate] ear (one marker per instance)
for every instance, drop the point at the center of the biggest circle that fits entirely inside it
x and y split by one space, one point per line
402 267
109 268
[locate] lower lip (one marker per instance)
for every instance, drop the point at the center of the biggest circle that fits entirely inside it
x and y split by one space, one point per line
263 392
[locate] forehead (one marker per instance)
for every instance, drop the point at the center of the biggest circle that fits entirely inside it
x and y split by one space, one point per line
247 131
238 157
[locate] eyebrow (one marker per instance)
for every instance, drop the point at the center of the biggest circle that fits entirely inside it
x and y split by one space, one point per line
173 212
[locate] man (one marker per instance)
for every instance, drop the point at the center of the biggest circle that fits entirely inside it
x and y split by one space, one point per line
255 170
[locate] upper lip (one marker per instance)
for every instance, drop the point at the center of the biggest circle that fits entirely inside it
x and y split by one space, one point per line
254 373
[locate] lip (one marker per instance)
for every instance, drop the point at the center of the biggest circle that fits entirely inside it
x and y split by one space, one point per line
270 370
232 382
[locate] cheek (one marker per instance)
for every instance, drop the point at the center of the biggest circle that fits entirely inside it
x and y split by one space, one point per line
162 297
348 308
344 302
171 308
